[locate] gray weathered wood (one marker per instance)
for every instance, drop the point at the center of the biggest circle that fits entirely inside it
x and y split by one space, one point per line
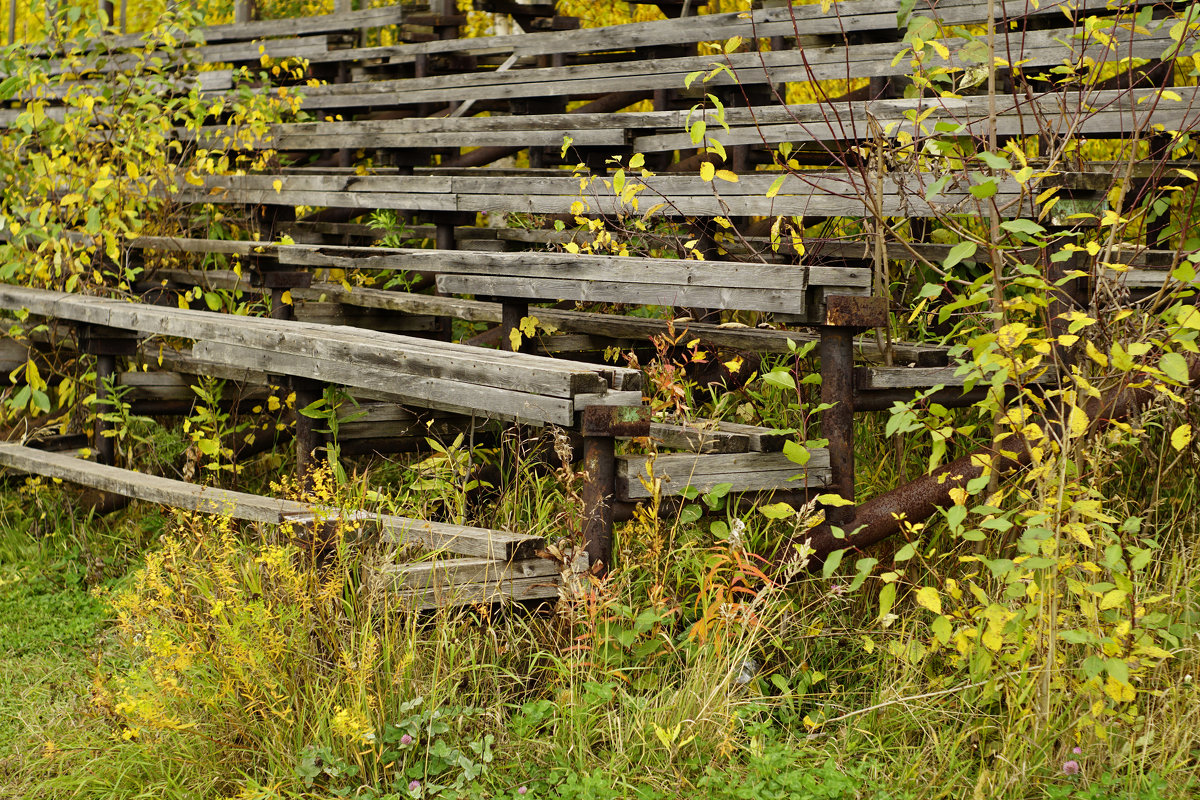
771 300
449 572
745 471
392 352
926 377
454 396
463 539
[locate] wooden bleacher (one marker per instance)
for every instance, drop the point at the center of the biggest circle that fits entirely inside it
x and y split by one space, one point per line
426 117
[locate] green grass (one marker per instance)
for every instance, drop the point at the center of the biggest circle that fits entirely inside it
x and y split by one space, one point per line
50 632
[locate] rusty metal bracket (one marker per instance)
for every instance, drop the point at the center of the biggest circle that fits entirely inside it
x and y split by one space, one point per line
855 311
622 421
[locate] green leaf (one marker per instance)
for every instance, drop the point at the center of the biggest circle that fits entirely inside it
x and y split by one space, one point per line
995 161
1025 226
777 510
942 629
1175 367
863 567
833 500
796 453
832 562
887 597
959 253
984 190
780 378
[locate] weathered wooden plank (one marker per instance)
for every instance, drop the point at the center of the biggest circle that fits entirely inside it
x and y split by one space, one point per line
464 539
454 396
562 266
772 300
612 326
398 355
462 594
803 194
1035 48
698 437
869 378
745 471
446 573
609 398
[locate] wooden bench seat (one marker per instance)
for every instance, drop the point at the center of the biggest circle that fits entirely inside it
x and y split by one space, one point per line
457 378
830 279
814 194
1032 49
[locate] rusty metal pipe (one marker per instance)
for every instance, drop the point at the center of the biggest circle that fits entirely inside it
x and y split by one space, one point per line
880 517
837 422
599 461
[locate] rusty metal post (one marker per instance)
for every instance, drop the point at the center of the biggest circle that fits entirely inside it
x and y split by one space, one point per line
307 438
243 10
106 344
106 446
513 310
600 425
837 423
443 239
599 461
107 13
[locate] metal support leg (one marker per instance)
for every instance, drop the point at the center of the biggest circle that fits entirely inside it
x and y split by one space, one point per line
599 461
106 446
444 240
837 423
307 438
513 310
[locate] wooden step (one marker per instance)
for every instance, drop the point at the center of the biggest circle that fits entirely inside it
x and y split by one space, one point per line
466 581
745 472
716 436
878 378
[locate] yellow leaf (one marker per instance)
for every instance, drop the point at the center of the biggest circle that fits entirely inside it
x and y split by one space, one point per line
991 638
928 597
1077 421
1187 173
1095 354
1119 691
736 364
278 184
707 170
514 339
1189 317
1181 436
1079 534
286 298
727 175
1011 335
833 500
1112 599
